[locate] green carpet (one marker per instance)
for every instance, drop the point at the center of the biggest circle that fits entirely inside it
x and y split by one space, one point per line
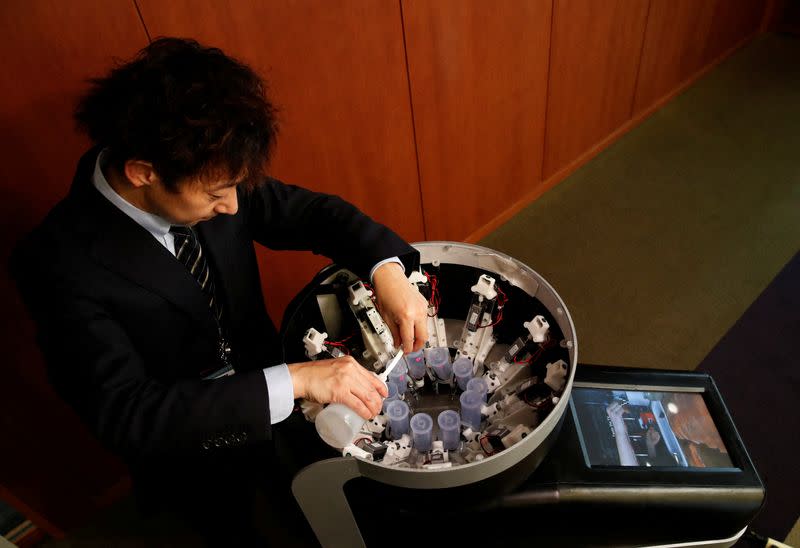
662 241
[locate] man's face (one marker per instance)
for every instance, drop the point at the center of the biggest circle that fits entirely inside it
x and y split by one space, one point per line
193 202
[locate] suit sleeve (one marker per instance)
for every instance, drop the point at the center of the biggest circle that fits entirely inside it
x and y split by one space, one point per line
94 366
282 216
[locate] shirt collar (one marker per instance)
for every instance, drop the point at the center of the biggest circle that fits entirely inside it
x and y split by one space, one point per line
154 224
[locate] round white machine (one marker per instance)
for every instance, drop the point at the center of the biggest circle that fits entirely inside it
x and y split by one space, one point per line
483 401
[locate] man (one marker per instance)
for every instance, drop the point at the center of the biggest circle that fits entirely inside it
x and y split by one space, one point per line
145 290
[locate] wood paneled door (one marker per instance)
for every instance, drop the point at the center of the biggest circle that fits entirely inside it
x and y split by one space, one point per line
594 60
478 73
674 47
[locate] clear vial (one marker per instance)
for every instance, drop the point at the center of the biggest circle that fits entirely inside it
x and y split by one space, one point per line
415 361
449 429
397 417
399 376
438 359
462 369
478 384
422 431
393 395
471 403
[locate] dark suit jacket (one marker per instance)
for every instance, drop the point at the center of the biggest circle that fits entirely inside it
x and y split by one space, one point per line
126 331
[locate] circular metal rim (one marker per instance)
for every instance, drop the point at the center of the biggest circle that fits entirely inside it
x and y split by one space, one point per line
495 464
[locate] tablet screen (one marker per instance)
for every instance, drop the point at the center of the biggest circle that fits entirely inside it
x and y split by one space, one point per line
647 429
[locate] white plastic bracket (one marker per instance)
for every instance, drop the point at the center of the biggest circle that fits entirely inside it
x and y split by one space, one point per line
314 341
358 293
538 328
485 287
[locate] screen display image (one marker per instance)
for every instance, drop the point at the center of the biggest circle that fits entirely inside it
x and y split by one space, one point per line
647 429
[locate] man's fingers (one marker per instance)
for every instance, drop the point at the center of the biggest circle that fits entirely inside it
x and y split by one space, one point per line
407 335
394 331
371 379
358 406
420 332
378 384
368 396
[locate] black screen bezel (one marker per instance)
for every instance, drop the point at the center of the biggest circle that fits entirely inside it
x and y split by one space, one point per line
743 474
649 388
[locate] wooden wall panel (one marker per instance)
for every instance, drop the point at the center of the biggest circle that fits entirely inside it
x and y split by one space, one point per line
337 71
594 60
48 461
478 75
674 47
733 21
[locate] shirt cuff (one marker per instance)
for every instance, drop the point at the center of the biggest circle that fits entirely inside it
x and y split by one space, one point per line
281 392
383 262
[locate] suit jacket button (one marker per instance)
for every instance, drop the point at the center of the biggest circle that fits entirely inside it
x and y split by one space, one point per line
218 442
244 436
206 445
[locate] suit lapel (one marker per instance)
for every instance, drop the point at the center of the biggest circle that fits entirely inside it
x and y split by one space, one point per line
128 249
132 252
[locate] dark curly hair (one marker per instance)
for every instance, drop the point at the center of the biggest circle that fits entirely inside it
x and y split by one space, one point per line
189 109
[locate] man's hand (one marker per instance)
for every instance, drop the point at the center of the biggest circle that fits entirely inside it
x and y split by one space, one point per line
651 439
615 411
340 380
402 307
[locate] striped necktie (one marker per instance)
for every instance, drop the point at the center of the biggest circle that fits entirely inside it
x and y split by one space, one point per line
190 253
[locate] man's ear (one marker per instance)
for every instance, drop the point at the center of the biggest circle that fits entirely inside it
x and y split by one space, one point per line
140 173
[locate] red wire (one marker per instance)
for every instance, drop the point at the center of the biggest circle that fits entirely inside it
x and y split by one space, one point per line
502 299
495 322
338 345
369 288
347 338
362 439
435 299
522 362
536 355
480 441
